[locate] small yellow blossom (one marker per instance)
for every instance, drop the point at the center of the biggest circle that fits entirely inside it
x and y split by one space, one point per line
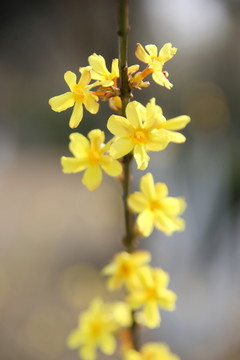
136 134
95 330
168 127
156 61
155 208
150 294
124 269
151 351
90 155
100 71
79 95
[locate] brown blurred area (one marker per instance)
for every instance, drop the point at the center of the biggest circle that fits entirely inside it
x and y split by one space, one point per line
56 236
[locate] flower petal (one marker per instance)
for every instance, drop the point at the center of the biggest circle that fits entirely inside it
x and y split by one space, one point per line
119 126
121 147
145 222
110 166
164 222
141 156
158 140
79 145
98 64
74 339
85 77
160 79
108 344
91 103
141 54
167 52
174 136
92 177
152 50
177 123
114 69
73 165
137 202
96 137
151 315
161 190
147 186
71 79
77 115
62 102
133 113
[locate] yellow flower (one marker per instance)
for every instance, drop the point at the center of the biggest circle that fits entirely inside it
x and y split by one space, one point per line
156 61
96 329
78 96
168 127
100 71
135 134
151 351
90 155
150 294
155 208
124 269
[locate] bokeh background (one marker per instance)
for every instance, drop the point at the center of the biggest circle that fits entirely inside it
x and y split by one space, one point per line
56 236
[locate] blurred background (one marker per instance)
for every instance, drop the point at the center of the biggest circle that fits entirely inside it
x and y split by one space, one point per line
56 236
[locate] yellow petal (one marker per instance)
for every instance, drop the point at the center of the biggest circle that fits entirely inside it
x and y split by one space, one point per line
158 140
91 103
98 64
62 102
141 156
108 344
74 339
167 52
92 177
160 79
137 202
79 145
167 300
151 315
73 165
77 115
145 222
132 69
85 77
114 69
164 223
121 147
133 112
131 354
177 123
96 137
174 136
152 50
119 126
110 166
147 186
141 54
173 206
71 79
87 352
161 190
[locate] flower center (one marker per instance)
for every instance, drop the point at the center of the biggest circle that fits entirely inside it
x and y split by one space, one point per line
96 329
140 137
151 294
125 270
79 93
94 156
154 205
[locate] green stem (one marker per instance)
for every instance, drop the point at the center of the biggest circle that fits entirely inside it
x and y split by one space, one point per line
129 237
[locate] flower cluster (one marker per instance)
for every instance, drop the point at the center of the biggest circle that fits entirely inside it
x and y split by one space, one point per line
135 131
